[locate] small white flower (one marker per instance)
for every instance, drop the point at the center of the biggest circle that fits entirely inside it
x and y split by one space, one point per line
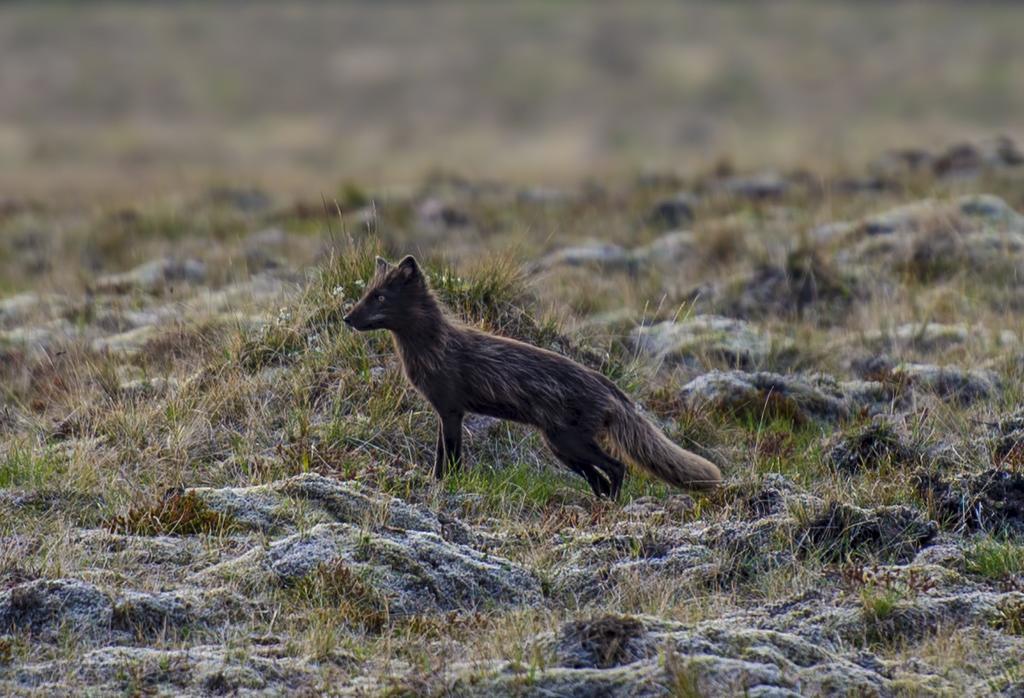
338 292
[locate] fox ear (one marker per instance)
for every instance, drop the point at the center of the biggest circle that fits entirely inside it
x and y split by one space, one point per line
382 264
409 268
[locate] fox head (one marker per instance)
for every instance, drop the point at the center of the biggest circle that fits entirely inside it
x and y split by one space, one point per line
395 297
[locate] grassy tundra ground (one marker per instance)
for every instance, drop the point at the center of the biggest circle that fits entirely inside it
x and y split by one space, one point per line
210 485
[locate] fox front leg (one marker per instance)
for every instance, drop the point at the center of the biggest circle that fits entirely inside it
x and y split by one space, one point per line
449 444
439 454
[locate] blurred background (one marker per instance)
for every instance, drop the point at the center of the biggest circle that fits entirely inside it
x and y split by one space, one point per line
100 98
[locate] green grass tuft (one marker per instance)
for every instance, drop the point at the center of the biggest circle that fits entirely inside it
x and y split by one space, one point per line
516 489
995 559
23 466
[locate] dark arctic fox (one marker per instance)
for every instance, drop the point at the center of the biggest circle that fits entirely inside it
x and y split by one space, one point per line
587 422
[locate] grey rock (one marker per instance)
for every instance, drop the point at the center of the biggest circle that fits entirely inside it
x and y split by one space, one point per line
875 397
923 337
153 277
949 382
763 186
968 159
247 200
667 250
115 321
262 289
991 210
673 212
591 565
435 214
126 343
932 237
1008 436
673 507
173 553
263 249
145 388
771 497
16 310
267 237
985 209
947 556
908 621
598 255
696 341
900 162
38 340
830 232
478 425
642 680
148 614
416 571
274 507
683 563
48 607
542 196
901 219
809 397
614 656
198 670
419 561
44 607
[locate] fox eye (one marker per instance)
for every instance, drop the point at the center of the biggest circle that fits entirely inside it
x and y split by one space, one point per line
380 298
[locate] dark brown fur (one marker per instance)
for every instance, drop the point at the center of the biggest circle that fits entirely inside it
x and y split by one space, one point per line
463 370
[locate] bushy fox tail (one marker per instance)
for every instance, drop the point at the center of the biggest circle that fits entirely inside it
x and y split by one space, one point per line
636 440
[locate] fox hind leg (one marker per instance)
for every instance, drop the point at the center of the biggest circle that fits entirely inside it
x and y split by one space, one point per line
573 452
614 469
